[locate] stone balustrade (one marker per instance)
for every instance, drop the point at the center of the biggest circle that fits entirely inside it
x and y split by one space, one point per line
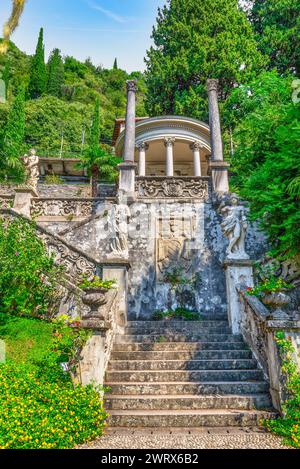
152 187
259 328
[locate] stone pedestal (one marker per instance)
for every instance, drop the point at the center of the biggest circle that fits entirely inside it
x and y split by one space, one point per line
238 272
219 175
22 201
127 178
118 271
91 367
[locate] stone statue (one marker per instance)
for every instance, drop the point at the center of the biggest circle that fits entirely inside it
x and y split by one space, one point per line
118 227
31 163
235 227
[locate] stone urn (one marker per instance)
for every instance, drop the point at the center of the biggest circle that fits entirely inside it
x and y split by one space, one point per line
277 302
95 298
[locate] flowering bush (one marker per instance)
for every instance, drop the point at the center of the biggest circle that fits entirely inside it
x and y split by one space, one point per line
271 285
288 426
27 272
38 413
97 282
39 405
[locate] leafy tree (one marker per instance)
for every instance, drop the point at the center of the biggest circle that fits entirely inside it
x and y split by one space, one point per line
98 159
277 27
266 162
38 74
55 74
196 40
13 140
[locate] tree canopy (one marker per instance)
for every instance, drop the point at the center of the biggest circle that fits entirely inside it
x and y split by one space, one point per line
196 40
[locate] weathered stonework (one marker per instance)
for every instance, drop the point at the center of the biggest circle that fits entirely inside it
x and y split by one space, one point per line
160 187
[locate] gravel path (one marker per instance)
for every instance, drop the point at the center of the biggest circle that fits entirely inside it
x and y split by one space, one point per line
185 439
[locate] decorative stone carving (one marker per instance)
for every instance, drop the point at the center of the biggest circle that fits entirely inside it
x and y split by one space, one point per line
169 141
132 85
6 202
31 163
143 146
235 226
63 207
160 187
75 264
94 298
196 146
118 229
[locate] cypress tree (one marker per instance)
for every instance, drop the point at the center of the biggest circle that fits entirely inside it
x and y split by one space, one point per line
13 139
38 75
55 73
196 40
94 148
115 64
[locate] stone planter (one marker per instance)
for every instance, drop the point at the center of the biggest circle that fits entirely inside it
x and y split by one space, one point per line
95 298
277 302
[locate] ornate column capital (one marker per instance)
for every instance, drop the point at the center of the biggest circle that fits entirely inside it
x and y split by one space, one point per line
131 85
196 146
169 141
142 146
212 85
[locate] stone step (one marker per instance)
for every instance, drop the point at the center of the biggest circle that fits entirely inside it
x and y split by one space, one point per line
182 365
195 388
176 337
182 346
185 376
183 355
164 330
178 324
187 419
187 402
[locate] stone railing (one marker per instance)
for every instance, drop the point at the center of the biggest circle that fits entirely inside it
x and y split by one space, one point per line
6 201
259 328
172 187
69 209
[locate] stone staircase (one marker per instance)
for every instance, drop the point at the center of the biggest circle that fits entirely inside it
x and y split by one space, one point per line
184 374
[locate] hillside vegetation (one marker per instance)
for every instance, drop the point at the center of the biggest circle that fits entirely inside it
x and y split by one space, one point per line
69 113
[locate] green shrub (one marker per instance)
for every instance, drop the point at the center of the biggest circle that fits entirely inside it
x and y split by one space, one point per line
27 273
288 426
178 313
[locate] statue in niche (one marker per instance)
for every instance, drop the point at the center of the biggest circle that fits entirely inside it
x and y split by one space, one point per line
118 231
31 163
235 226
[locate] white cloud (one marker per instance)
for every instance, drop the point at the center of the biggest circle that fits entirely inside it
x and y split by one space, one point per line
110 14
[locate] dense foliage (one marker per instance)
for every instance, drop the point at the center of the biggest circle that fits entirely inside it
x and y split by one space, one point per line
288 426
277 27
27 273
196 40
40 408
266 162
76 86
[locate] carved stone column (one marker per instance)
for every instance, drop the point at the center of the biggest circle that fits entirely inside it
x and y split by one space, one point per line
196 147
169 144
142 147
128 167
219 168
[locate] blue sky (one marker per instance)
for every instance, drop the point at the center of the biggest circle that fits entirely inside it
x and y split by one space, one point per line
100 29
